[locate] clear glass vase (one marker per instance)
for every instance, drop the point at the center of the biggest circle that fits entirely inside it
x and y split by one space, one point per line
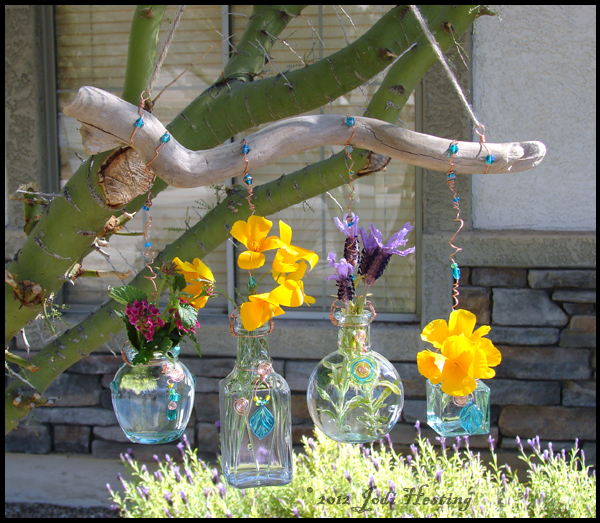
153 403
452 416
256 416
354 395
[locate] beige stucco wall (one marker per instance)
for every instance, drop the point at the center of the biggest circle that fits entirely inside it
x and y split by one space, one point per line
534 78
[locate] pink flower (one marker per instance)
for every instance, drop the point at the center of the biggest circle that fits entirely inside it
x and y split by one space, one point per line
144 317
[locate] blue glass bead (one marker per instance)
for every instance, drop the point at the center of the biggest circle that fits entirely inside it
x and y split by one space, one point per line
248 179
262 422
471 418
145 207
245 148
489 159
172 414
451 175
453 149
351 122
174 396
455 200
147 244
165 138
139 122
455 271
349 149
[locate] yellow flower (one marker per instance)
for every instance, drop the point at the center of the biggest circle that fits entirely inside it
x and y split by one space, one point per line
291 289
259 310
465 355
253 234
286 257
199 279
461 322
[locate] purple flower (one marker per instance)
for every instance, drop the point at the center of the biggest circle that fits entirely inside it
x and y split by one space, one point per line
343 276
375 255
348 226
144 317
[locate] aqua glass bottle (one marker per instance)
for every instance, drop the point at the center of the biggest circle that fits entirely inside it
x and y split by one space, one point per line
153 402
452 416
256 416
354 394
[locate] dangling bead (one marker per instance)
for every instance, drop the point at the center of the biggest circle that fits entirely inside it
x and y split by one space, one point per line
455 200
451 175
455 271
453 149
139 123
165 137
350 122
489 159
248 179
145 207
245 148
147 244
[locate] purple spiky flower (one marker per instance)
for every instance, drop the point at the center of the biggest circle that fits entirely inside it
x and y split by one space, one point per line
343 276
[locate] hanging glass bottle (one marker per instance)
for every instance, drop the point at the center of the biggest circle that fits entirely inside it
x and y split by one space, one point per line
256 416
153 402
452 416
354 395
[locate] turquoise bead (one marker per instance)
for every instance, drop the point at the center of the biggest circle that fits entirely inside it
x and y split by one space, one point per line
147 244
471 418
262 422
451 175
453 149
489 159
165 138
245 149
455 271
351 122
172 415
139 122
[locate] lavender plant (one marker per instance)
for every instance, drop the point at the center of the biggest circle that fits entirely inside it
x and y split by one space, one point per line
337 480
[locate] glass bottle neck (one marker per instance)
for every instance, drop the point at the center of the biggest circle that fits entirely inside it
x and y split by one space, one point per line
354 331
252 347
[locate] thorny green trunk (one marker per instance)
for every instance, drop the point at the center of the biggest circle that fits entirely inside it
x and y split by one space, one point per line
212 230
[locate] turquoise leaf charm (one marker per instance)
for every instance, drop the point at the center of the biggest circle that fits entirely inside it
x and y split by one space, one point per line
262 422
471 418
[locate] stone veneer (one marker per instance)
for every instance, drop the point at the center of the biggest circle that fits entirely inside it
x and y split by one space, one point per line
543 321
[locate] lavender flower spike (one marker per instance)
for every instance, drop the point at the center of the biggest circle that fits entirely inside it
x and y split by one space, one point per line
348 226
376 255
344 277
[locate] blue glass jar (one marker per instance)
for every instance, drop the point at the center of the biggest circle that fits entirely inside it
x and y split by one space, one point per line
256 416
452 416
153 402
354 394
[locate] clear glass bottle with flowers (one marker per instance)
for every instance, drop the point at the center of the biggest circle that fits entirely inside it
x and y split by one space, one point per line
458 402
255 401
355 395
153 392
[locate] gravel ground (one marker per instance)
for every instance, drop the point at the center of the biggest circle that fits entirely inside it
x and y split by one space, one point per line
46 510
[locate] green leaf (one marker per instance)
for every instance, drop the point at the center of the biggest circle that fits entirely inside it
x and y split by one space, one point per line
188 315
179 283
126 294
391 385
324 394
196 345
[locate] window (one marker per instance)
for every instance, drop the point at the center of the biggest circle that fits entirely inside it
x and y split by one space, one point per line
91 50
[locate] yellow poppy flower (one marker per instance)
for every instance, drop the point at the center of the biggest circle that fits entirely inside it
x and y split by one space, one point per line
253 234
291 290
199 278
286 258
259 310
460 322
430 365
459 360
465 355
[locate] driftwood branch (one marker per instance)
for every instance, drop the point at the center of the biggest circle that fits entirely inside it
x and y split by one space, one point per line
108 122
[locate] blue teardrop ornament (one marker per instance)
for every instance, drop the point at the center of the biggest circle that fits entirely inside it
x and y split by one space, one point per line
471 418
262 422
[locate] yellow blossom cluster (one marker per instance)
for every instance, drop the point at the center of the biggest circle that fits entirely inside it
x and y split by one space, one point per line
463 355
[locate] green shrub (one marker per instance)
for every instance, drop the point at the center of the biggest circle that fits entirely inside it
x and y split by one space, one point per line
338 480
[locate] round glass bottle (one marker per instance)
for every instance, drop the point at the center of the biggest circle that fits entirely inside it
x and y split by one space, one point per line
153 402
354 395
256 416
